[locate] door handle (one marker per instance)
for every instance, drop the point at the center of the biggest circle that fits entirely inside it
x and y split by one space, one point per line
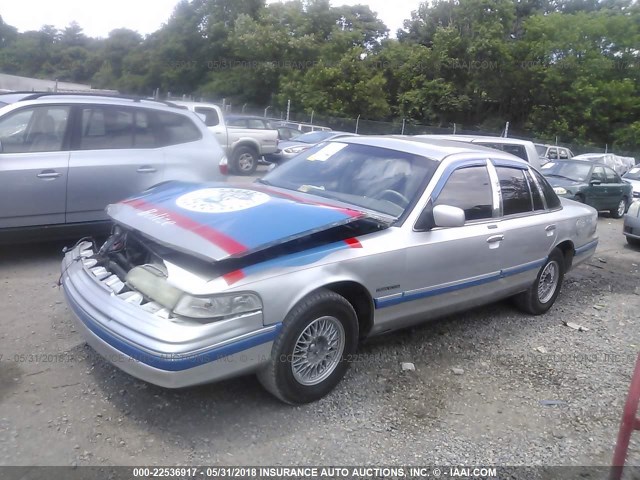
49 174
495 238
146 169
549 228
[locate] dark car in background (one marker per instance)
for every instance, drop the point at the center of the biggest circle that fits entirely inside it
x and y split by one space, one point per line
289 149
593 184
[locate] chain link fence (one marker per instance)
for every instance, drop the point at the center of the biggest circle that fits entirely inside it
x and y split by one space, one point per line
375 127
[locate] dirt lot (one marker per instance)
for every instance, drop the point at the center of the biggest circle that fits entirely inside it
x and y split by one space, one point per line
60 404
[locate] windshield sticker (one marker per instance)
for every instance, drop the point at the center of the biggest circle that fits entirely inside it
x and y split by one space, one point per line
326 152
306 188
221 200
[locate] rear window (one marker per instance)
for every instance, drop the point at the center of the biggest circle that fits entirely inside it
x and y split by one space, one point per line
107 127
517 150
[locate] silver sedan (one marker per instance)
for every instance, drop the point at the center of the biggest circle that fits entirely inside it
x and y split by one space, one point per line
283 277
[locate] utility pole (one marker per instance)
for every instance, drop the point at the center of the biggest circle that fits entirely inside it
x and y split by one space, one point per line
506 130
288 108
357 123
402 132
266 110
311 121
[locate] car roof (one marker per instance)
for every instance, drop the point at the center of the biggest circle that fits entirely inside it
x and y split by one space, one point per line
571 160
432 148
471 138
83 98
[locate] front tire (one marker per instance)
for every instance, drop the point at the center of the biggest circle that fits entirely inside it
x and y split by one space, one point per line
245 160
539 298
618 212
314 348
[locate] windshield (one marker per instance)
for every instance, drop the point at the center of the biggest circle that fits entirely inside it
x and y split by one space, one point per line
578 172
633 174
378 179
314 137
542 150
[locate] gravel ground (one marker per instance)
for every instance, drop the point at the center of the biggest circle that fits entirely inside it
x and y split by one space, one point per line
60 404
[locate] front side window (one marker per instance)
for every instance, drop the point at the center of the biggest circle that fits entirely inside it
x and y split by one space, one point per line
516 197
36 129
598 175
469 188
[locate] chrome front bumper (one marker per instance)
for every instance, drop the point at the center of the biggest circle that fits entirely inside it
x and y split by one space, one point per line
152 345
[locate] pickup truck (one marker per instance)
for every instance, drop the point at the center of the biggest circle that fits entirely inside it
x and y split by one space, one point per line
244 142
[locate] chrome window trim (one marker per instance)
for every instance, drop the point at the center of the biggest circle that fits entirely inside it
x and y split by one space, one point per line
540 191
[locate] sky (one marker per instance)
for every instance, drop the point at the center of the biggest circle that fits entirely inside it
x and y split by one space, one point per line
99 17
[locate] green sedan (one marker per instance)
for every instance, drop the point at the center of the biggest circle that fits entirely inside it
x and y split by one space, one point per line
591 183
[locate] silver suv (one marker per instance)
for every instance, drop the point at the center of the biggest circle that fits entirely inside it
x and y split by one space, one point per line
65 157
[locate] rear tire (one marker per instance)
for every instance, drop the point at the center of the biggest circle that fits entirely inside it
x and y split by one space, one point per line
618 212
633 241
245 160
314 348
539 298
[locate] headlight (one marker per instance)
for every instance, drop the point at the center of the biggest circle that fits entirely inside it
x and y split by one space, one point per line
634 209
559 190
152 283
217 306
298 149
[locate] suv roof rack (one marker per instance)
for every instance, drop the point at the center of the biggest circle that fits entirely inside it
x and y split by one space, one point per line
36 95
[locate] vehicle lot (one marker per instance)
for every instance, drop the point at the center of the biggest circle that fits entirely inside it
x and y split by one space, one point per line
63 404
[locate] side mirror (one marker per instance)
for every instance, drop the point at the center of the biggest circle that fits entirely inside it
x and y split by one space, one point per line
448 216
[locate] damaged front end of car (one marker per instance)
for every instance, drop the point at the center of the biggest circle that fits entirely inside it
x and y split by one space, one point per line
163 298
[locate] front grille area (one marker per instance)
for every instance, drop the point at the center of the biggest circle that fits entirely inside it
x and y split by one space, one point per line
120 289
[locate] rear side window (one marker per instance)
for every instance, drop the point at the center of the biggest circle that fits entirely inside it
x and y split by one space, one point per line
612 177
535 193
547 190
516 197
108 127
469 188
174 129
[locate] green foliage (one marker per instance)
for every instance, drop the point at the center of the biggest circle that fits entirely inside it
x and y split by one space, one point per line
559 68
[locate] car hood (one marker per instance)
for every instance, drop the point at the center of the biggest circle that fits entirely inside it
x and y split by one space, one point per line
221 221
292 143
634 183
563 182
